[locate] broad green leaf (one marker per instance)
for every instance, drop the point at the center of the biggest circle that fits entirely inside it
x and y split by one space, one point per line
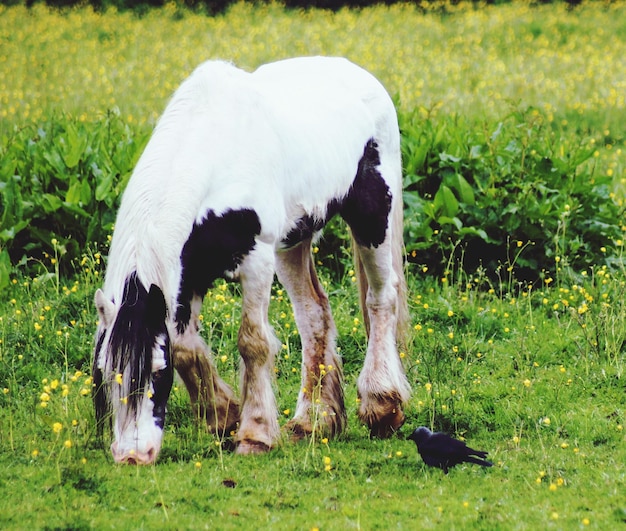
463 189
9 233
446 220
73 194
472 231
445 202
412 200
496 133
50 203
58 165
75 209
446 157
85 192
12 203
418 156
74 147
104 187
7 167
5 269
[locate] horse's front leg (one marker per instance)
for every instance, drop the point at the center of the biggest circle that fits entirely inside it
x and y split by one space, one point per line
211 397
258 428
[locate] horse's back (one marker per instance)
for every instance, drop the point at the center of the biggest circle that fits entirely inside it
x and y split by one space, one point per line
327 110
317 73
290 115
319 83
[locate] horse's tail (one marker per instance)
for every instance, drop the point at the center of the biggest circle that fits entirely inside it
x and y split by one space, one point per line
397 254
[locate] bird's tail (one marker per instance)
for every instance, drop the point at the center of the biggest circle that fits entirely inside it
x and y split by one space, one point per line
477 453
478 461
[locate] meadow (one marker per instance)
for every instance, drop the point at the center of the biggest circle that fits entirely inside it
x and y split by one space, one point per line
527 366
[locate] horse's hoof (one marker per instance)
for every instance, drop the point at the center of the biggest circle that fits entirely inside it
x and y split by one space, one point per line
249 447
385 419
298 430
388 425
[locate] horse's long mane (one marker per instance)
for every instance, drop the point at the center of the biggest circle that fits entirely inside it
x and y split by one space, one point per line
131 343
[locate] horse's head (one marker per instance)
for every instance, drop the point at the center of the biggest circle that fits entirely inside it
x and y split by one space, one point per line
133 370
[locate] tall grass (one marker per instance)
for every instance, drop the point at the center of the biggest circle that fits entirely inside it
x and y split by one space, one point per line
533 374
451 59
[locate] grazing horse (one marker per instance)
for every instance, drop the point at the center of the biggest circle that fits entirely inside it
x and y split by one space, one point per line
241 174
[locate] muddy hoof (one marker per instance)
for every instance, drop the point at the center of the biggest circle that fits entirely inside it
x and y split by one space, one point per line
229 419
248 447
297 430
385 420
388 425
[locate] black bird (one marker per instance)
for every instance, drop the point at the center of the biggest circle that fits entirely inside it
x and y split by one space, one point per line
441 450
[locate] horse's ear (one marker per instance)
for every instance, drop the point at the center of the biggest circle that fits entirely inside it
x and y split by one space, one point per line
156 309
106 309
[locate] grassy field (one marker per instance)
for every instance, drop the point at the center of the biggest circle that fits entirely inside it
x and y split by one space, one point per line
570 63
535 377
533 373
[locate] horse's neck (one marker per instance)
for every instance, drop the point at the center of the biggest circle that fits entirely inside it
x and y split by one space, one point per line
139 249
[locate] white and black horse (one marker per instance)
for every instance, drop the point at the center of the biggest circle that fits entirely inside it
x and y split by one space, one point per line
241 174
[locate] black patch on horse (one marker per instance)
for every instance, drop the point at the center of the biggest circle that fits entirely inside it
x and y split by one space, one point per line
365 208
367 205
215 246
306 226
162 381
139 322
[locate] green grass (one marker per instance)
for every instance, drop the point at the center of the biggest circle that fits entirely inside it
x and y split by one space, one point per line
487 366
367 489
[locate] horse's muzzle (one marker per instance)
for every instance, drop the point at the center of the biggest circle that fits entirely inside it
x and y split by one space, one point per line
134 457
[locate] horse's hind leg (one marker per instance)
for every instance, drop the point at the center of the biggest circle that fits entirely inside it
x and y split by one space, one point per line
213 399
374 212
321 394
382 384
258 428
